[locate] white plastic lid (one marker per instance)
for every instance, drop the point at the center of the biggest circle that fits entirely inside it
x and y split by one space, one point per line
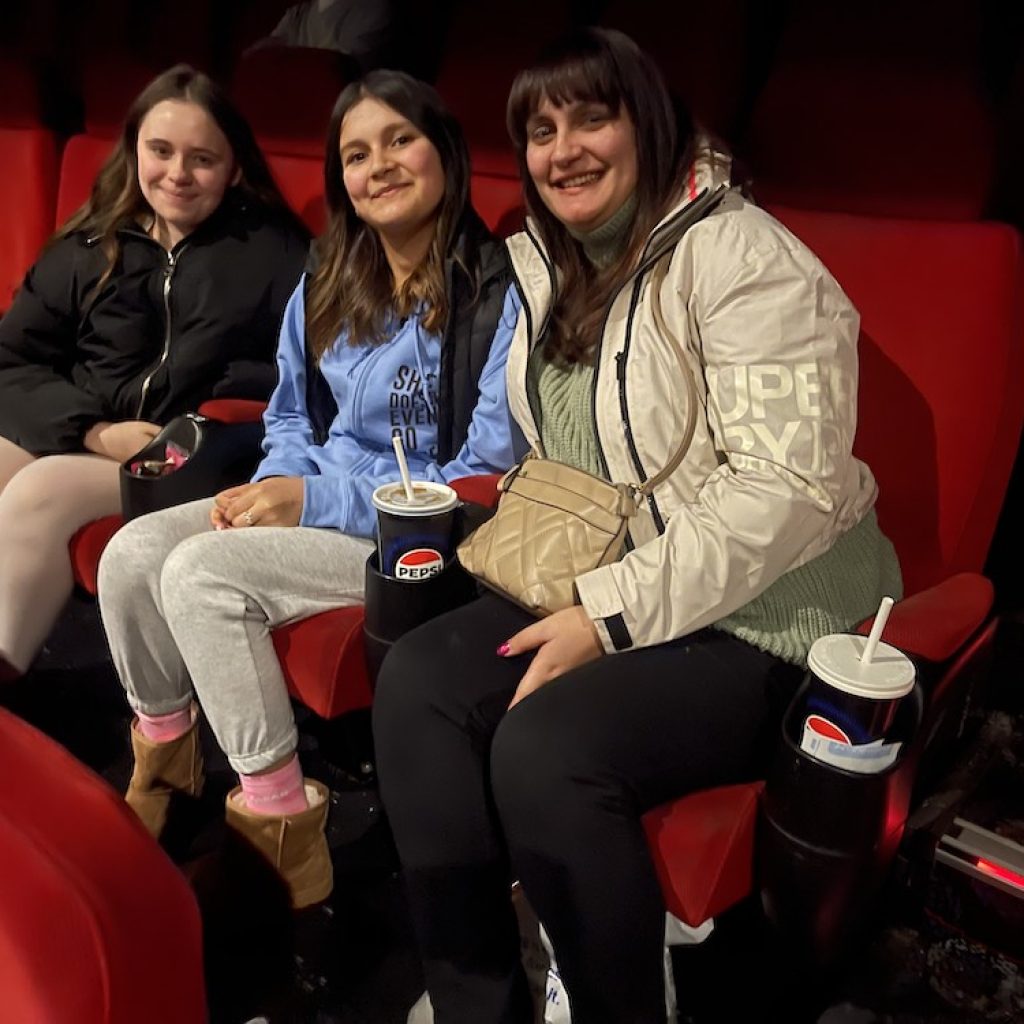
835 659
428 499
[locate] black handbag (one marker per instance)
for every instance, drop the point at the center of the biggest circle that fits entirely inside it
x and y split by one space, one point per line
192 457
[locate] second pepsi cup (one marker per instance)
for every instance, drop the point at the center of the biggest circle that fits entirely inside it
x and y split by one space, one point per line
849 701
414 537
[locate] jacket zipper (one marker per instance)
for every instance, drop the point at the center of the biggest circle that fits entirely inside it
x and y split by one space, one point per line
649 257
172 263
620 377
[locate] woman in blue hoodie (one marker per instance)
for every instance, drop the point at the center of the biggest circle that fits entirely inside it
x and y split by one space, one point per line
402 323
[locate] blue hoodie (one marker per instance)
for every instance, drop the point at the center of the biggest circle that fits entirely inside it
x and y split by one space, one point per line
379 389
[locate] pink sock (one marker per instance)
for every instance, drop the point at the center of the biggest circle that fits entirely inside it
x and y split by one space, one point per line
162 728
278 792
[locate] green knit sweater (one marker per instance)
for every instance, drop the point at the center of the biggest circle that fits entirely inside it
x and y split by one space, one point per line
829 594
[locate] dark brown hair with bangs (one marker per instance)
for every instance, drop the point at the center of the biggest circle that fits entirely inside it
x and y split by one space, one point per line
352 290
602 66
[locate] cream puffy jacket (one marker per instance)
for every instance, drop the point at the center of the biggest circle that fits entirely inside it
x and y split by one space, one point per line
768 481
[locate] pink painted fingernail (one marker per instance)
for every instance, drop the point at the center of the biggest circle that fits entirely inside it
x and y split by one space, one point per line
503 650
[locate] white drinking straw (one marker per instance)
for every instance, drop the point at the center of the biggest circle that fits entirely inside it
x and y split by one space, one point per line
876 630
403 466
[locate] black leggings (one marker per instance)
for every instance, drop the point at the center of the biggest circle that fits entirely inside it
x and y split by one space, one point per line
552 792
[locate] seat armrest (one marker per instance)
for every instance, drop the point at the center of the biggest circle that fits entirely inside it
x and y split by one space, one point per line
936 623
233 410
481 490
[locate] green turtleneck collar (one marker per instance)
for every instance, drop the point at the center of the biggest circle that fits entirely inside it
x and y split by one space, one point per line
604 245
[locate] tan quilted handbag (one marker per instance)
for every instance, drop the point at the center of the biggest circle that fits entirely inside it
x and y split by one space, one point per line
555 522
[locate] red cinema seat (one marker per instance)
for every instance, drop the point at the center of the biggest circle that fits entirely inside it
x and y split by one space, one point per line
703 51
96 924
287 94
110 81
873 139
499 201
81 162
21 103
301 181
29 160
475 75
940 412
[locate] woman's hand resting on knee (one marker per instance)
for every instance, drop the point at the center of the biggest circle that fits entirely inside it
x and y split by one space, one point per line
563 641
276 501
119 441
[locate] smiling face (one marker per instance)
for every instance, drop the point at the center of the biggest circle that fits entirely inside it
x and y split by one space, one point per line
582 159
185 165
392 173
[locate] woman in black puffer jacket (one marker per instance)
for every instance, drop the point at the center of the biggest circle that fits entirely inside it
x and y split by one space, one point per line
165 289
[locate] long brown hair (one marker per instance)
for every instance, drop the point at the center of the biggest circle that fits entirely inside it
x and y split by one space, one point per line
601 66
116 199
352 289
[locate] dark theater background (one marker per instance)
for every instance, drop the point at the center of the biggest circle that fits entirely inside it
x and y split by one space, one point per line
897 125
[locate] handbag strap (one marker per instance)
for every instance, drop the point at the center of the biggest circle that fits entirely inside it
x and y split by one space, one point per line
692 399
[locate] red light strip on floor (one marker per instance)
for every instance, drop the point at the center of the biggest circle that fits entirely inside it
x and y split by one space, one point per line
998 871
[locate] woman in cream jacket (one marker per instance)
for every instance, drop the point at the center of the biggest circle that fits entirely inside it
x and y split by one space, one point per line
657 300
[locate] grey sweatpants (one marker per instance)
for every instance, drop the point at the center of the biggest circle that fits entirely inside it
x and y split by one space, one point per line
187 607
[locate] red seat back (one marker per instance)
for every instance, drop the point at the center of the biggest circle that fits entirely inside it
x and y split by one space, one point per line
873 140
21 104
499 201
83 157
701 49
942 355
478 66
29 159
288 92
94 918
301 181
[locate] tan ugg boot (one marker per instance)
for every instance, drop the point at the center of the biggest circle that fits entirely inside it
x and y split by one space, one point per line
296 844
161 769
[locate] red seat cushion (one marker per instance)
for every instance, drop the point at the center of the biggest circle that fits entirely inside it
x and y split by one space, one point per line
86 547
324 661
703 849
94 918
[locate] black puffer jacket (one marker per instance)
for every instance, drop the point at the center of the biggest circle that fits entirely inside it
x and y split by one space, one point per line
166 332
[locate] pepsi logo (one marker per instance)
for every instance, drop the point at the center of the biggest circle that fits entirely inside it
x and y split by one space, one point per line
823 727
418 564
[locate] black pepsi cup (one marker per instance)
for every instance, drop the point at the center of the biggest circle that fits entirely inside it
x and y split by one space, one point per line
850 701
414 536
